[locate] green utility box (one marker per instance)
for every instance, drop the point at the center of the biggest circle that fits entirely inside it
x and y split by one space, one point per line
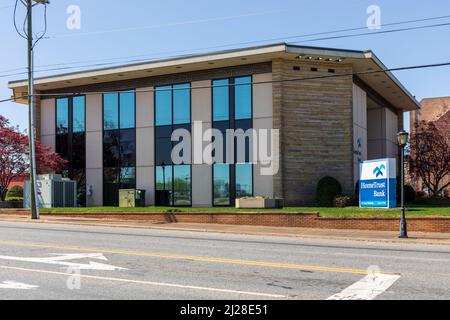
131 198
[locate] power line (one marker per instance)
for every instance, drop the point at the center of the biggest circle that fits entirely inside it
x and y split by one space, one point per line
377 32
180 23
414 67
245 43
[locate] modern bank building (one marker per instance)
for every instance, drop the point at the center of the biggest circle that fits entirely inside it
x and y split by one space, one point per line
333 109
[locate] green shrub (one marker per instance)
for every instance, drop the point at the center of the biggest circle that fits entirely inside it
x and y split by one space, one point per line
14 192
327 189
13 199
410 193
343 201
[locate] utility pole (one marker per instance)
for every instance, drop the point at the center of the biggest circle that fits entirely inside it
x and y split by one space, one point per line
31 124
28 35
31 106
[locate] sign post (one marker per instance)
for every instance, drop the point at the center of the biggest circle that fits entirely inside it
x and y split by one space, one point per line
378 184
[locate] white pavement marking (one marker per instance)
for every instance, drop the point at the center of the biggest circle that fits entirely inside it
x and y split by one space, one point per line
161 284
17 285
61 260
367 288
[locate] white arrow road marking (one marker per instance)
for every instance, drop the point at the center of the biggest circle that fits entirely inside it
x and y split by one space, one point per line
367 288
151 283
17 285
61 260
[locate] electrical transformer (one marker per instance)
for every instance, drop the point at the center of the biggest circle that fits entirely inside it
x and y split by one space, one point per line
52 191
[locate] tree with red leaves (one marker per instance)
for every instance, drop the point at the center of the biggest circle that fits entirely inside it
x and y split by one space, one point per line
429 160
14 160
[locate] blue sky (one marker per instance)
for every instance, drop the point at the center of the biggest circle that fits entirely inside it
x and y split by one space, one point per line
112 29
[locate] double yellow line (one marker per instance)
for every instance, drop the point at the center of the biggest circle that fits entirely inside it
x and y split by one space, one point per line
187 257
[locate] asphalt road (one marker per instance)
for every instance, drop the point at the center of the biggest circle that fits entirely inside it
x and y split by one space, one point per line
45 261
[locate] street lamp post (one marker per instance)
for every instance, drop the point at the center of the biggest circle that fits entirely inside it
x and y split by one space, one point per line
402 138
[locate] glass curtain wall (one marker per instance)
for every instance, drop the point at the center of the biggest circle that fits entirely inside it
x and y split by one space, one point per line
172 112
119 145
232 109
71 141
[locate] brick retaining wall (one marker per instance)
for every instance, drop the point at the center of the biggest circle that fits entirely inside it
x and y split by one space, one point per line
300 220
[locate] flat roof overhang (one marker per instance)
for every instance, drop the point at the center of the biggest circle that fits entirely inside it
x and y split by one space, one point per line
365 62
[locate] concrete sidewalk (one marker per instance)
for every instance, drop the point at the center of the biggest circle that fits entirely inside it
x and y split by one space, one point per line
356 235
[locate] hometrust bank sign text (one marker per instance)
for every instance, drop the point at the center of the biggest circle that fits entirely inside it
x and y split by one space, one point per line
377 187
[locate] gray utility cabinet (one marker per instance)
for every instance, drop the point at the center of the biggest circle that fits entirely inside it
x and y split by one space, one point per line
53 191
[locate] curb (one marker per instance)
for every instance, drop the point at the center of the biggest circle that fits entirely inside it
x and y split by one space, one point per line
166 226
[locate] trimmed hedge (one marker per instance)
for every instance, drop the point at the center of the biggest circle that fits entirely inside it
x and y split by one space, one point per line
327 189
343 201
14 193
11 204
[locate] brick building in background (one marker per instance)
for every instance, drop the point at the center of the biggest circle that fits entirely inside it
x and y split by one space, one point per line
435 110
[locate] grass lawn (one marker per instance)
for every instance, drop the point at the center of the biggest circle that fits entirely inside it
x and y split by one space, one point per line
412 210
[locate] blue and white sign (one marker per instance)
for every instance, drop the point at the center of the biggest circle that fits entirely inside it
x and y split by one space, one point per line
378 184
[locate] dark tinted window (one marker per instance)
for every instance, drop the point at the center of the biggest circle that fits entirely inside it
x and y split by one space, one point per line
181 103
182 185
163 105
221 100
111 148
62 115
79 111
243 98
71 141
127 148
127 117
221 184
244 180
111 111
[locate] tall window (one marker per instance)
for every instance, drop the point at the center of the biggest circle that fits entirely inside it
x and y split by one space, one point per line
172 112
71 141
232 109
119 145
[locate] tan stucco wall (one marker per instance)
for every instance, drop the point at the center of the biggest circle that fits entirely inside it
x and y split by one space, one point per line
359 129
201 173
94 177
391 134
263 185
201 101
47 123
94 149
201 185
382 132
145 154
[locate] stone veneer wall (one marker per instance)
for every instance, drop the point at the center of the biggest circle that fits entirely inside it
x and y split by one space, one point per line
316 122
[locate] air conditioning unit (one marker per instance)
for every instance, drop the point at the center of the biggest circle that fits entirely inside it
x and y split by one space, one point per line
52 191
